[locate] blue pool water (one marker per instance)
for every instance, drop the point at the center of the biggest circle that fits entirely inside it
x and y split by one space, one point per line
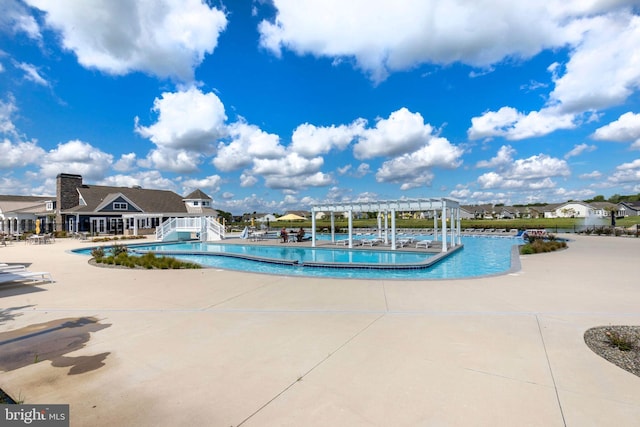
481 256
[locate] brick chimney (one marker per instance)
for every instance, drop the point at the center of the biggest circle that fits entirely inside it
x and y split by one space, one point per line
67 196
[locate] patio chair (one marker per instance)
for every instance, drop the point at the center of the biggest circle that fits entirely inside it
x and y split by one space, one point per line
423 243
25 275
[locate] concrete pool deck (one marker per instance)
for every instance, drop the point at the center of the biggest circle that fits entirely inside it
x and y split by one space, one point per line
222 348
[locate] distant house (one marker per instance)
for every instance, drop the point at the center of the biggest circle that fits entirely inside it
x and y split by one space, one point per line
20 213
579 209
122 210
265 218
604 209
625 209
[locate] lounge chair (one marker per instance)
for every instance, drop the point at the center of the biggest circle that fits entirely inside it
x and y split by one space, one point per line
371 242
10 268
425 243
405 241
22 276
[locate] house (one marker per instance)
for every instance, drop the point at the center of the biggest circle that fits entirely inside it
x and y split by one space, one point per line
21 213
122 210
625 209
266 218
604 209
578 209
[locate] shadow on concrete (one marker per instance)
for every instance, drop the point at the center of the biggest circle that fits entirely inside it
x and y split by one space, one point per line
52 341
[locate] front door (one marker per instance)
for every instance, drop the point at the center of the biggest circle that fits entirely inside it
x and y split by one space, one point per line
98 225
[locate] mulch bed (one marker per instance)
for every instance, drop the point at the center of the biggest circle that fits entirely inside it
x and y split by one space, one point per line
599 342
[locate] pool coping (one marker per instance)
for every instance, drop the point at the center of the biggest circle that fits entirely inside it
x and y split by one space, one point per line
433 259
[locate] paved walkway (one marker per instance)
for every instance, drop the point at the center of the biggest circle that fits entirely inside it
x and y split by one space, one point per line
220 348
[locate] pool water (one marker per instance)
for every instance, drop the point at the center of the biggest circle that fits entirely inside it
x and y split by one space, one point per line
481 256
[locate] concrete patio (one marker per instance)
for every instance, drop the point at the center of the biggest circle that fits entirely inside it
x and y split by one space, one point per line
221 348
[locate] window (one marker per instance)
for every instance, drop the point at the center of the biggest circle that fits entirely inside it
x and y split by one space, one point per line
205 203
119 206
196 203
49 206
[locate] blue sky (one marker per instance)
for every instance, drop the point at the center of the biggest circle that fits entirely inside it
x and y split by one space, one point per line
275 105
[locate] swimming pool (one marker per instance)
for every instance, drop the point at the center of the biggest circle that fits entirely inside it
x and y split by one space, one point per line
481 256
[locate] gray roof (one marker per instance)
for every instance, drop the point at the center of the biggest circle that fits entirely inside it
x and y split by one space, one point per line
24 204
149 201
197 195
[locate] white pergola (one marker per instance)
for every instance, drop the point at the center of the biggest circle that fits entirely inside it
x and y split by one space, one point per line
446 209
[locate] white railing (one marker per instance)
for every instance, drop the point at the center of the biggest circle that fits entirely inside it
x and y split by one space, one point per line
165 228
213 230
207 227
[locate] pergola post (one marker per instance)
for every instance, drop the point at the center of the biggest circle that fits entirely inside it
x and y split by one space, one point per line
444 227
393 229
435 225
333 227
313 229
350 228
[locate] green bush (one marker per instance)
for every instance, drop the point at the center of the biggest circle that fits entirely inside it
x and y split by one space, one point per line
148 260
541 246
97 253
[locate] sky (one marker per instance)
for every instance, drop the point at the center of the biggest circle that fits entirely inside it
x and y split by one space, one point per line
276 105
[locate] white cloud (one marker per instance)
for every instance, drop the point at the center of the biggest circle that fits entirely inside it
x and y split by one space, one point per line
187 119
7 110
146 179
126 163
503 158
167 159
507 122
601 72
167 38
16 152
532 173
247 180
626 173
629 166
31 73
591 175
415 169
76 157
310 141
385 37
291 172
248 143
625 129
537 167
19 154
362 170
188 126
292 166
15 19
403 132
210 185
318 179
579 149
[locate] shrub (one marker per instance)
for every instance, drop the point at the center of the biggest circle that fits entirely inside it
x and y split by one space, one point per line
541 246
117 249
148 260
97 253
620 341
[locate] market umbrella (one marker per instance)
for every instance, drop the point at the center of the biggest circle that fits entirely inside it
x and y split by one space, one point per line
37 226
291 217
